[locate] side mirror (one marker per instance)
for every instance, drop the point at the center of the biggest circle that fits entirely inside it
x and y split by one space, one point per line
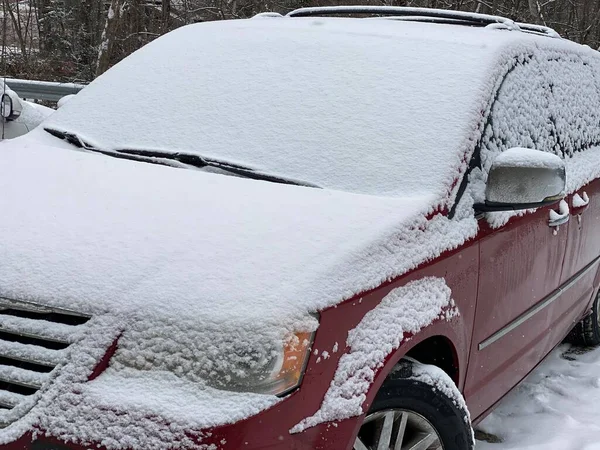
10 106
522 178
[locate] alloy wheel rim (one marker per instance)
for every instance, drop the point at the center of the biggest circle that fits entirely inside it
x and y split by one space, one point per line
397 429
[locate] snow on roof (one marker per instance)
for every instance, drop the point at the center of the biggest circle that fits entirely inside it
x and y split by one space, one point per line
367 106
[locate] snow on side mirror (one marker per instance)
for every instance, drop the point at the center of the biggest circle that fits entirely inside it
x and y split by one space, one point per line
10 106
522 178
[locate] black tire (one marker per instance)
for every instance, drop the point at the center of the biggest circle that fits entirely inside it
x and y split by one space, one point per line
587 332
402 391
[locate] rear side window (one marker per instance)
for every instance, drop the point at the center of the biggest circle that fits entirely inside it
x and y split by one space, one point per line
575 105
549 101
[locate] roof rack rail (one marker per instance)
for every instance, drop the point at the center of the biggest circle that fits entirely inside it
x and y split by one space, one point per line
402 11
538 29
426 15
449 21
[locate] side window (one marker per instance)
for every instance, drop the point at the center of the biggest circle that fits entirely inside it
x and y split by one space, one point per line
521 114
575 104
548 101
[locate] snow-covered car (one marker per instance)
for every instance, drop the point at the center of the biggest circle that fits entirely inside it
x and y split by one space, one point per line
382 227
18 116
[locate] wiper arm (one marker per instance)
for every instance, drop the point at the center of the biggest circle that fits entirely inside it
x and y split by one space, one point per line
71 138
194 160
176 159
78 141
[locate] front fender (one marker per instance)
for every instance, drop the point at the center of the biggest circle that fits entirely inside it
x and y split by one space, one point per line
329 362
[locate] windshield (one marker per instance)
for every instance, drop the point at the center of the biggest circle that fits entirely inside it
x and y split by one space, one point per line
351 105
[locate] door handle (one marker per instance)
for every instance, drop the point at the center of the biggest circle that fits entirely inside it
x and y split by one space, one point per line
580 202
560 217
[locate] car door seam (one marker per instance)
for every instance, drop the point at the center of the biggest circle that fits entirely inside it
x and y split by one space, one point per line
538 307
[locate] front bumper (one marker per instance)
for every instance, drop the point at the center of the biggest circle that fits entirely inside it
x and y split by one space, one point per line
77 411
268 430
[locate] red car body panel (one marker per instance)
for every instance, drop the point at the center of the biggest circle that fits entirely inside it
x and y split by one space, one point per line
520 265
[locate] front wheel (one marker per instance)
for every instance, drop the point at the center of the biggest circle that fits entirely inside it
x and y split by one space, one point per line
417 408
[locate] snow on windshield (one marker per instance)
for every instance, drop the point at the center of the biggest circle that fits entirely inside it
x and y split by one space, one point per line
363 106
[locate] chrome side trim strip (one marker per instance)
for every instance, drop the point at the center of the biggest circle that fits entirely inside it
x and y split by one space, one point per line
537 308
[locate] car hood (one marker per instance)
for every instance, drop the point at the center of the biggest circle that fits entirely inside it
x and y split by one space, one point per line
92 233
34 114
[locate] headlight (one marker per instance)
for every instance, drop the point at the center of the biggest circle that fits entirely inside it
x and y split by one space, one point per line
276 370
235 357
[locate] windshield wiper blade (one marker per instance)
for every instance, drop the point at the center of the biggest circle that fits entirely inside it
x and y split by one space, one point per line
176 159
71 138
198 161
78 141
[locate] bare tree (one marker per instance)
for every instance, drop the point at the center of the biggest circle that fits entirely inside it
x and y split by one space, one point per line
81 39
107 41
22 17
166 15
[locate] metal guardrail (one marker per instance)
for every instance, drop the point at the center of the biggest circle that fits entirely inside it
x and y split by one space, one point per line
43 90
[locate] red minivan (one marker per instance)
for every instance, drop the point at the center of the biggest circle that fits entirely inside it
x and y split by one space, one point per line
385 222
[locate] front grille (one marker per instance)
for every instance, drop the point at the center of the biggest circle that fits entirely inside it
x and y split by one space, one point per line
33 341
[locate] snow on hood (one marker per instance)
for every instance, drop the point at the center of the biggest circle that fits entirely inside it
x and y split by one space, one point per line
33 114
93 234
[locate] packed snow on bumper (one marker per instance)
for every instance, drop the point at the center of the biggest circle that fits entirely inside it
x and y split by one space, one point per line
555 408
125 407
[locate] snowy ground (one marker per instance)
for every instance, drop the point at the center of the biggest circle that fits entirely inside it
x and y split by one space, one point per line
556 408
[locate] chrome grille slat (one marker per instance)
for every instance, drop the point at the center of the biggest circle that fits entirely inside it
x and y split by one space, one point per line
6 303
31 353
33 341
22 377
10 399
40 329
34 336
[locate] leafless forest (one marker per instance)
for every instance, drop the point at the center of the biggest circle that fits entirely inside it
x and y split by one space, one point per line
76 40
